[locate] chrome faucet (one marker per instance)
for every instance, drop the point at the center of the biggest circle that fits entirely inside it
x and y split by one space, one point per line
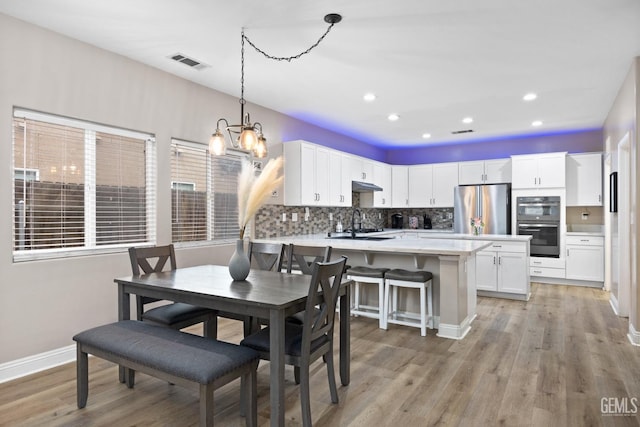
353 222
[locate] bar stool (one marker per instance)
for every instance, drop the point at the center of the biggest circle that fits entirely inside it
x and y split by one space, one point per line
370 275
398 278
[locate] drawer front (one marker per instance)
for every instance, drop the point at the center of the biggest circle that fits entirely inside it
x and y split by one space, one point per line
558 273
508 247
543 262
585 240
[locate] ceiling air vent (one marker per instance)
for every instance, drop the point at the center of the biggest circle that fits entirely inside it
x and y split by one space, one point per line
456 132
190 62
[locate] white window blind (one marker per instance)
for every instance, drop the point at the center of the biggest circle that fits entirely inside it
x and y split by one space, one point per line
224 201
188 202
95 186
204 201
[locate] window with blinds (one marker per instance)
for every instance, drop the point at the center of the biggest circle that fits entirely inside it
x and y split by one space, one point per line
79 186
204 200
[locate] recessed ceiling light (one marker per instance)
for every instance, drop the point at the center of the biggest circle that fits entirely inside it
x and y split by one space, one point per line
536 123
393 117
426 135
467 120
369 97
530 96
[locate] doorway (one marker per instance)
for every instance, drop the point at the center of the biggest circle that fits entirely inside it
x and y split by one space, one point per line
621 288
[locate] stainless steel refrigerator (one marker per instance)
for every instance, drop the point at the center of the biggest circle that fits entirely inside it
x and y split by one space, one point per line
491 202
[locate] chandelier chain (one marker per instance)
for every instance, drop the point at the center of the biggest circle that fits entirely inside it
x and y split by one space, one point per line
285 58
242 101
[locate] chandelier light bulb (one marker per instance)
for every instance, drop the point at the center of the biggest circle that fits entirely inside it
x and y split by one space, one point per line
248 139
217 144
260 150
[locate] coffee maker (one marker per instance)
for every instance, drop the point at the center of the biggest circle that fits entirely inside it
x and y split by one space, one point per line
396 221
427 223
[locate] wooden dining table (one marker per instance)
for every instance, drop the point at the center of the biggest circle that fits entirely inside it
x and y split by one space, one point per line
264 294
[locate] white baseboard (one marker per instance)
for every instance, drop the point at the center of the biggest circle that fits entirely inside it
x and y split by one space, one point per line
455 332
36 363
633 335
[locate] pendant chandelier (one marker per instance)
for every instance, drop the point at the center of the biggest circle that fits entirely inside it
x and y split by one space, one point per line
248 136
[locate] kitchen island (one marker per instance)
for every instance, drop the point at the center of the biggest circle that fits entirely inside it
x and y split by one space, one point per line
451 260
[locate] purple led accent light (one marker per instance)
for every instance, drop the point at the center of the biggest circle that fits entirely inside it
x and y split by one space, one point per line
575 141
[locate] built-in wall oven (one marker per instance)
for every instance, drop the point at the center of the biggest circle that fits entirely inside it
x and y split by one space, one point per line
539 217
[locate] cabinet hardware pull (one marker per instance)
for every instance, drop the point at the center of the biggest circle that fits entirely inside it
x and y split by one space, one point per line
499 260
537 271
494 260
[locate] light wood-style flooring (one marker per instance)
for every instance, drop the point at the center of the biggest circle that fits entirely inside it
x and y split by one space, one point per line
546 362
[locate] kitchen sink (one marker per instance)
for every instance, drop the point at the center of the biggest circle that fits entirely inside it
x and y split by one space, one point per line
360 238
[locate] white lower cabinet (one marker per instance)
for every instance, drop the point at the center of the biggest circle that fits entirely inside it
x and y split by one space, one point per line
503 267
585 258
553 268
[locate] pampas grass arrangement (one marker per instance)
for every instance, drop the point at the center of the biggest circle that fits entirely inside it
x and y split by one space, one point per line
253 192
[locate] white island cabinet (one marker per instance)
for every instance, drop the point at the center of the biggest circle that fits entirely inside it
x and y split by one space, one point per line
452 262
503 267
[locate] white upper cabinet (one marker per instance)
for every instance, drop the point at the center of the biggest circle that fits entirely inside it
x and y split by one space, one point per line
362 169
399 186
584 179
305 171
420 186
484 172
381 176
538 171
339 176
445 180
431 186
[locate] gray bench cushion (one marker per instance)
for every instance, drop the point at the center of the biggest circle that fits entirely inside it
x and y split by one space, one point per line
367 272
409 276
174 313
187 356
292 340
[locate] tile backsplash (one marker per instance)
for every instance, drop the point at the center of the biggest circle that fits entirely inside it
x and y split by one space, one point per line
268 220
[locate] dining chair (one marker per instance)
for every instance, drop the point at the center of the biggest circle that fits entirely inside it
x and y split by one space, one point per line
266 256
300 259
313 339
175 315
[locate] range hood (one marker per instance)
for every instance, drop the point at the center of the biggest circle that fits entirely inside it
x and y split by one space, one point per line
364 187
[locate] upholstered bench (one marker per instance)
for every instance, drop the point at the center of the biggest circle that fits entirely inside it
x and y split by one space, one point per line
173 356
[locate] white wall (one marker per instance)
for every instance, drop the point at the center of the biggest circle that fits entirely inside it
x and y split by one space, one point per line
623 119
43 304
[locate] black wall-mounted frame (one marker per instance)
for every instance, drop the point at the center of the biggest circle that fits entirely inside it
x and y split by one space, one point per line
613 192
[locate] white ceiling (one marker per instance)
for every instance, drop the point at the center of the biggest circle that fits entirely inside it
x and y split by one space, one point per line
431 62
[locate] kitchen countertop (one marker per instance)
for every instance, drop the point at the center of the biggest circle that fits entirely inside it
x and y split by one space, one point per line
409 246
437 243
449 234
585 230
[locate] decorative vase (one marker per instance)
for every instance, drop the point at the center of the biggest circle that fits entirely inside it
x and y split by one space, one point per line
239 265
476 231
